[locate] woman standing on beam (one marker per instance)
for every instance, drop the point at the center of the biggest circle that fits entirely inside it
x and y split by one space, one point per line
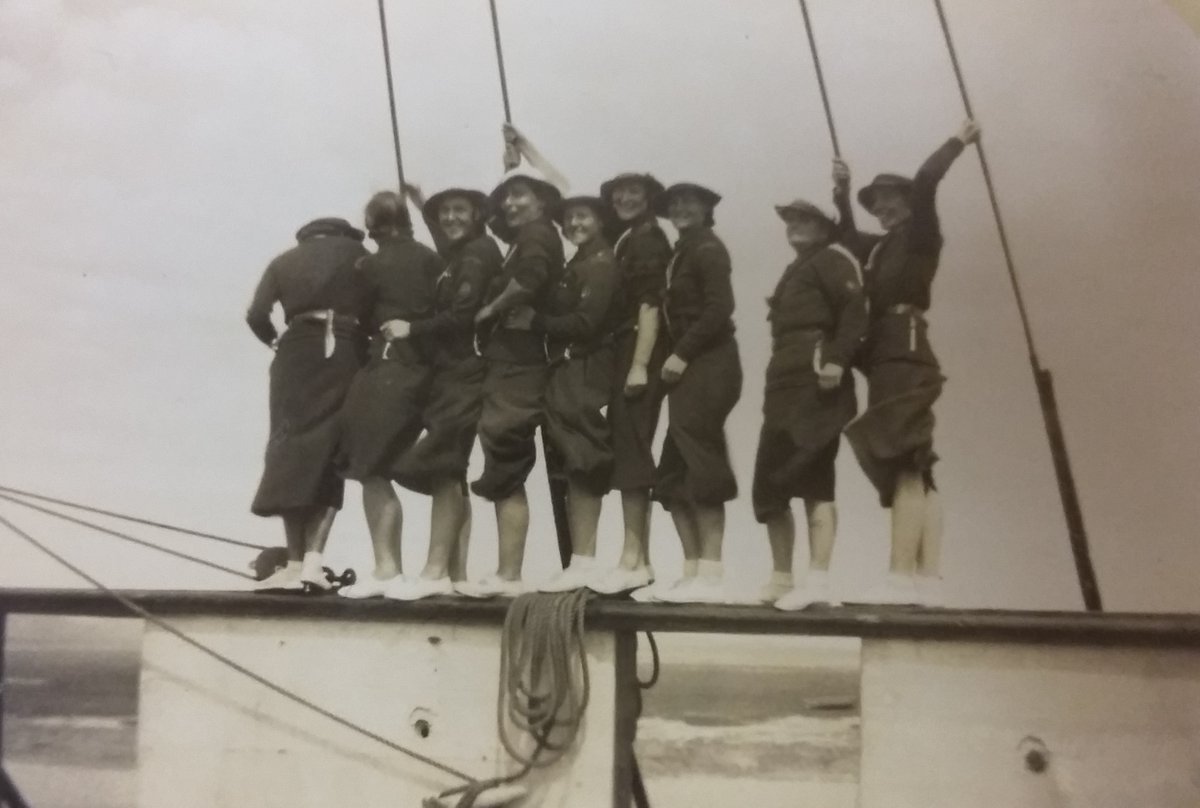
704 378
437 463
515 357
893 438
384 406
315 361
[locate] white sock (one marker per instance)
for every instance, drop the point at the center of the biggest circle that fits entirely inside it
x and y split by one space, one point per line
782 579
582 562
690 567
294 567
817 578
710 570
312 565
900 580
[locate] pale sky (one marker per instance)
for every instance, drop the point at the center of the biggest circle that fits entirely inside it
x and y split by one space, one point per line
156 156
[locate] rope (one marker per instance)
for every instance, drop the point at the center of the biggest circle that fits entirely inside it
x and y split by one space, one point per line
500 62
812 47
235 666
655 664
987 178
387 67
127 537
135 519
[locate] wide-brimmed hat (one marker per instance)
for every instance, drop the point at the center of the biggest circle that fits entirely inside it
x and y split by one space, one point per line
802 208
477 198
648 181
329 226
866 195
663 199
545 189
594 202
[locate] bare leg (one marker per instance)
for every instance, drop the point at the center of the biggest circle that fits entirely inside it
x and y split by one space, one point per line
686 526
781 533
710 521
512 521
458 558
635 507
929 557
583 514
446 519
320 522
822 530
385 520
908 522
295 524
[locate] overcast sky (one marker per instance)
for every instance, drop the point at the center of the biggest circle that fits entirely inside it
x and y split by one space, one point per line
157 155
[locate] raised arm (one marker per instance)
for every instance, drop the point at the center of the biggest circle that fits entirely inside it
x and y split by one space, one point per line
926 232
846 231
525 147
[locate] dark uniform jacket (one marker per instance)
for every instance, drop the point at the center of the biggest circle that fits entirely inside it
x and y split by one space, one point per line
448 336
698 304
315 275
900 265
642 253
585 309
818 314
399 281
535 261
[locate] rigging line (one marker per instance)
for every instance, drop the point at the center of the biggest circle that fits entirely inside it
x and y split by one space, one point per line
812 47
991 189
231 664
500 62
135 519
126 537
1069 495
387 68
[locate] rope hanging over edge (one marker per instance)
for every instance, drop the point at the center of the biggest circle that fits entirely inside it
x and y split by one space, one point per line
166 626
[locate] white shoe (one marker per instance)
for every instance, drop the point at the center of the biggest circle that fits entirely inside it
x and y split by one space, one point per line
652 593
696 590
616 581
772 592
408 589
930 591
575 576
898 590
283 580
368 587
808 594
490 586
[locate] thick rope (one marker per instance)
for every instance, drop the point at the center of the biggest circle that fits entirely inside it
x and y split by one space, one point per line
135 519
500 62
235 666
812 47
119 535
991 190
387 67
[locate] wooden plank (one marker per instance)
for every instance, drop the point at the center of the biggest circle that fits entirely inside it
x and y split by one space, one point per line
1069 628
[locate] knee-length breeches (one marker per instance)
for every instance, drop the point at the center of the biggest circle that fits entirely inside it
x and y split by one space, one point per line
450 419
895 433
577 396
695 465
512 411
633 421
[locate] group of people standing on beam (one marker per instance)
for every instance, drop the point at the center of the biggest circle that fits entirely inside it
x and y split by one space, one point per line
393 363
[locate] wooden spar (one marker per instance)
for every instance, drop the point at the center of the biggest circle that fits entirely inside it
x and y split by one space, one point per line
387 67
978 625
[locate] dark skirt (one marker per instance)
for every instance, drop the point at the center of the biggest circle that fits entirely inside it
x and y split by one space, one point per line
306 399
695 466
798 443
450 418
633 421
383 411
577 394
512 412
895 433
